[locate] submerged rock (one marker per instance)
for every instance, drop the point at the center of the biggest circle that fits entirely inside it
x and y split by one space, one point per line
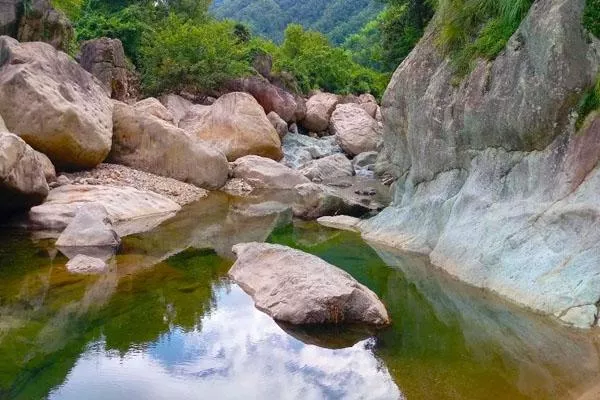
91 227
343 222
301 289
82 264
70 119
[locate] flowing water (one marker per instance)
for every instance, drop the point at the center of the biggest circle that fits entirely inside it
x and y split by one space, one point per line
165 323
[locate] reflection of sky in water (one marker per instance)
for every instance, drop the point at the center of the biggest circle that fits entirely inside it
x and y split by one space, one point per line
238 353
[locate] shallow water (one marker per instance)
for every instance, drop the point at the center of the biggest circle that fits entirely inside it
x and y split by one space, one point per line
165 323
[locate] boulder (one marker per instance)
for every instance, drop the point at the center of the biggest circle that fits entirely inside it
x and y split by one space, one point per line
264 173
154 107
319 108
82 264
370 108
263 64
301 289
47 167
366 98
496 185
291 108
330 167
130 210
237 125
363 160
299 149
279 124
91 227
356 131
148 143
54 105
22 181
177 106
9 17
105 59
43 23
342 222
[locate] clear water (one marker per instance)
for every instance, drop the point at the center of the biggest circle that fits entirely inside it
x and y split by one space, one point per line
166 323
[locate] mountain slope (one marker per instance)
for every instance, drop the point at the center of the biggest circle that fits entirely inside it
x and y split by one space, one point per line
335 18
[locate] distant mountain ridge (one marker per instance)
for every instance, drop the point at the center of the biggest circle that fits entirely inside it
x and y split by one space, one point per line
335 18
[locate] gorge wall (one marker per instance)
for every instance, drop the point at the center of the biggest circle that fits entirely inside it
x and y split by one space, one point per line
495 183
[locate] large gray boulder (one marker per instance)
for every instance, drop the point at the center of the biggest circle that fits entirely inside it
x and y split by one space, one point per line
264 173
40 21
22 180
330 167
105 59
149 143
237 125
495 184
177 106
53 104
91 227
301 289
319 108
355 130
300 149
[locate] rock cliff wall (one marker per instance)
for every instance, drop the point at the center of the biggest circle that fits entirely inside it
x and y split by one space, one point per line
494 181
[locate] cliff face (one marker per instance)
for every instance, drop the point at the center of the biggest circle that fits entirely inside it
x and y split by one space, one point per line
495 183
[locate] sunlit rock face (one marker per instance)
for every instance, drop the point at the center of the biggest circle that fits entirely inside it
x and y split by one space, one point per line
495 183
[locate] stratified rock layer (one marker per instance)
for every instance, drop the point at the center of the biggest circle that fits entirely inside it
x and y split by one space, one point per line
494 181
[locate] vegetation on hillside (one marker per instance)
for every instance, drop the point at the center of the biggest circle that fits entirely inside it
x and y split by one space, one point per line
591 16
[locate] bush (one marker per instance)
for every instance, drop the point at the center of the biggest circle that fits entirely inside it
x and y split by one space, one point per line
591 16
195 57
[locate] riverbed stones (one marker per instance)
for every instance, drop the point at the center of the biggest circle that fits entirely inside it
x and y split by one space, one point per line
330 167
149 143
22 180
237 125
264 173
54 105
319 108
356 131
301 289
130 210
105 59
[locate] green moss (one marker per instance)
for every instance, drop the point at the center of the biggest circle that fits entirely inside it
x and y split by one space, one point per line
589 102
471 29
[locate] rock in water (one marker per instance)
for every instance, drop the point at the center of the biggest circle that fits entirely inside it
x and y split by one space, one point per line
22 180
496 185
355 130
264 173
91 227
105 59
82 264
54 105
237 125
318 111
330 167
149 143
301 289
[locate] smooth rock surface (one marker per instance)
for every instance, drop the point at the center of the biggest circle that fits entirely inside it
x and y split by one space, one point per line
148 143
494 182
343 222
91 227
22 180
299 288
330 167
264 173
130 210
356 131
319 108
153 106
237 125
82 264
177 106
54 105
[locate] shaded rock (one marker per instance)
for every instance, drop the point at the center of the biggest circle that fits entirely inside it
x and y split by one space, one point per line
319 108
105 59
367 98
148 143
495 184
154 107
130 210
363 160
300 149
264 173
22 181
71 118
343 222
289 107
42 23
330 167
237 125
263 64
10 11
370 108
91 227
47 167
82 264
355 130
301 289
279 124
177 106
